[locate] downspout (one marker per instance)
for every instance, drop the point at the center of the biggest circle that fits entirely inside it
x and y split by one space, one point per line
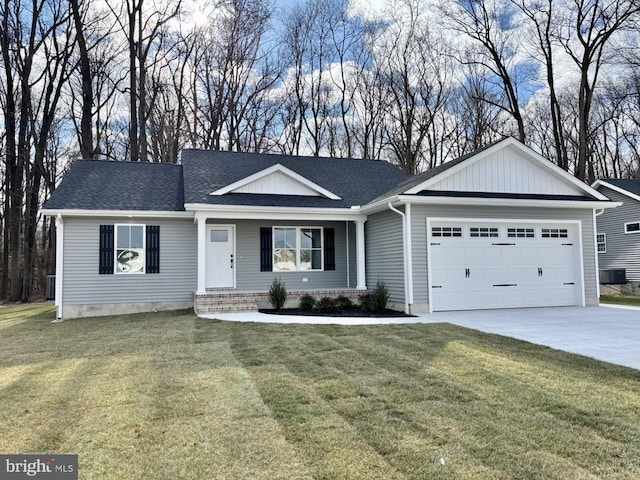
59 266
597 213
404 257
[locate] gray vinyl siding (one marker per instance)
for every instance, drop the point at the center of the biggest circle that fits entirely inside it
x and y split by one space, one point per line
176 281
384 253
419 214
249 278
623 249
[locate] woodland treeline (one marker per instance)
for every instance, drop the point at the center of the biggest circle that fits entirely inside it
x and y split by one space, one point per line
416 83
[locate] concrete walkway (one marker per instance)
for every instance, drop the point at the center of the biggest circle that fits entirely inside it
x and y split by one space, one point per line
606 333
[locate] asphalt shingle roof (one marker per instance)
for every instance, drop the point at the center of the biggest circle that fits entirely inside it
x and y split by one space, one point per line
630 185
356 182
108 185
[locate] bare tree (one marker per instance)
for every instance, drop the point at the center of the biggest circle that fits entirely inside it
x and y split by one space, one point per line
588 29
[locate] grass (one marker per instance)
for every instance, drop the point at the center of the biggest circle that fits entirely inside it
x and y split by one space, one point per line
169 395
629 300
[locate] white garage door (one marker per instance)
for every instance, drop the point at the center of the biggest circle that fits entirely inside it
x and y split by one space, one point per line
503 265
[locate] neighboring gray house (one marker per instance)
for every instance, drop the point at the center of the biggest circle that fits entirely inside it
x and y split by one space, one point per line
618 232
500 228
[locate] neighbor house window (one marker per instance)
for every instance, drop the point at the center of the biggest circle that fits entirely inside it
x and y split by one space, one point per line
632 227
297 248
129 248
601 242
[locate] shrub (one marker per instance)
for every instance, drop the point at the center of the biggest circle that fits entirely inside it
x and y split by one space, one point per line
277 294
307 302
366 302
326 305
343 303
379 297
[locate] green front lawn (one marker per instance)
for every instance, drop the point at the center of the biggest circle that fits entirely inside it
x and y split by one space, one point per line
629 300
168 395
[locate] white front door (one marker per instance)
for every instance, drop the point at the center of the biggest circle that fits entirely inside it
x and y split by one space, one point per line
220 256
503 265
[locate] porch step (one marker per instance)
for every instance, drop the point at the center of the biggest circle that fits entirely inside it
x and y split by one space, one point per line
229 302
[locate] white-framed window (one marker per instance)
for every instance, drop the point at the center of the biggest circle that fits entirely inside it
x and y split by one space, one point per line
632 227
483 232
601 242
297 249
129 248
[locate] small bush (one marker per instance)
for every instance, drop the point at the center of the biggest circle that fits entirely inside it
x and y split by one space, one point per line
343 303
379 297
366 302
326 305
277 294
307 302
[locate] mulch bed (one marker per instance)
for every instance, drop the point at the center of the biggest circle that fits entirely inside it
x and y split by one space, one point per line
351 312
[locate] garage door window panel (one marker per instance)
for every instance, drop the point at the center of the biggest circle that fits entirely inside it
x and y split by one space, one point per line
451 232
555 233
483 232
521 232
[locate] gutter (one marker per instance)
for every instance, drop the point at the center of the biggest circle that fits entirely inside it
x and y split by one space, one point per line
405 255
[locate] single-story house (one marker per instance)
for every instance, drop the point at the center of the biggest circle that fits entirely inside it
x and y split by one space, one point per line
618 232
502 227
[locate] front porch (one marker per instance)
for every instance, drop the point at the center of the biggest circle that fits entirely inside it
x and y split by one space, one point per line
227 301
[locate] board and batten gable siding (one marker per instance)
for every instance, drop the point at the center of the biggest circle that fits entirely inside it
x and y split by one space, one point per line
623 249
420 213
505 171
384 254
83 285
249 278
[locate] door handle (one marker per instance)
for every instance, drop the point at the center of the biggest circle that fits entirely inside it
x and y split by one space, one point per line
540 271
467 273
231 258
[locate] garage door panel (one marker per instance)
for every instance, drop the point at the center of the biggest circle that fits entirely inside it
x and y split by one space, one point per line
512 266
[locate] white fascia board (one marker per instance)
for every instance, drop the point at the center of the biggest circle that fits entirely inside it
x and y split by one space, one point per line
115 213
272 169
506 202
601 183
240 212
524 150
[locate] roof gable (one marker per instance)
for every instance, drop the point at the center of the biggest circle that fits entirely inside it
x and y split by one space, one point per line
627 187
277 180
505 167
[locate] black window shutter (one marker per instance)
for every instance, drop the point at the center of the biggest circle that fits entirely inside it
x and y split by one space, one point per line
329 249
106 250
153 248
266 256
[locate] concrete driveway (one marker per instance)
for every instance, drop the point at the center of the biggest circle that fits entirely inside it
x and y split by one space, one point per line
607 333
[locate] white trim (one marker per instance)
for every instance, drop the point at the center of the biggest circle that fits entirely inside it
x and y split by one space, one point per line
604 242
631 223
298 230
202 255
409 252
273 169
405 256
511 202
581 301
208 228
59 266
346 229
115 248
242 212
524 150
73 212
602 183
597 258
361 282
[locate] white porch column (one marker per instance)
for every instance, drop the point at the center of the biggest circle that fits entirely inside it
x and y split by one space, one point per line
59 265
202 254
361 281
